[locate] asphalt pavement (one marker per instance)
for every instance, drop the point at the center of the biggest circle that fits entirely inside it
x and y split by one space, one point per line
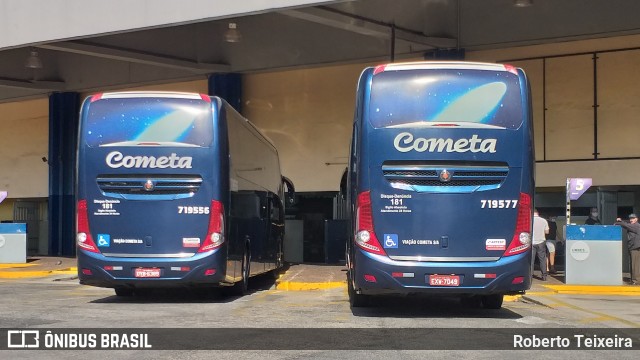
552 293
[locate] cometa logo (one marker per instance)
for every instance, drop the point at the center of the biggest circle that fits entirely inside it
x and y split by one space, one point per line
405 142
115 160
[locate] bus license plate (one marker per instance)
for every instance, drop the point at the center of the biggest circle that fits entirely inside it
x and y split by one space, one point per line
147 273
444 280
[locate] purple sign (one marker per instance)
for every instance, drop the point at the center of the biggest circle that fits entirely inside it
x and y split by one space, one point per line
3 195
578 186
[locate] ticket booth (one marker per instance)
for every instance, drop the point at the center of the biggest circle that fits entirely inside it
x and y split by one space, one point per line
593 255
13 243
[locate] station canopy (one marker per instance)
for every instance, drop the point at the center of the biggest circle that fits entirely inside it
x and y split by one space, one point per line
84 46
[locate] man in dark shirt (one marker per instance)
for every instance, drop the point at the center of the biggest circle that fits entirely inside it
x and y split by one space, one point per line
593 218
633 243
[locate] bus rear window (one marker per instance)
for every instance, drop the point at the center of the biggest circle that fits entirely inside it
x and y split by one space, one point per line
150 121
446 97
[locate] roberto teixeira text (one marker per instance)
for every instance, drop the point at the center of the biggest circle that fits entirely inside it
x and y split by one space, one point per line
574 341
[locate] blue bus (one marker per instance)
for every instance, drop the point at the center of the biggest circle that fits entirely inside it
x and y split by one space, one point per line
440 182
175 190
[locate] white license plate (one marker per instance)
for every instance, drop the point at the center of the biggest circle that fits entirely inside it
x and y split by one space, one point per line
444 280
147 273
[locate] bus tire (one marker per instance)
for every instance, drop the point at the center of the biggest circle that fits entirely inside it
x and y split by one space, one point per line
123 291
493 301
241 287
356 300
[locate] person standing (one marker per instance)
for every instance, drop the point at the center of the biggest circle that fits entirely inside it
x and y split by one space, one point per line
593 218
551 245
540 229
633 244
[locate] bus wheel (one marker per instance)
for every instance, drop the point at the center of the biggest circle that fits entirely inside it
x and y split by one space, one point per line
492 301
123 291
241 287
356 300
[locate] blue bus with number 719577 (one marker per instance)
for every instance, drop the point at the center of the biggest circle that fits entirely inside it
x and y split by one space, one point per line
440 182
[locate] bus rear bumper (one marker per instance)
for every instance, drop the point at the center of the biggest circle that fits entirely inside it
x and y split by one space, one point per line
377 275
199 270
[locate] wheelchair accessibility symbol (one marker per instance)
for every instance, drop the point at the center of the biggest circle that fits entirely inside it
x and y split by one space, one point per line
390 241
104 240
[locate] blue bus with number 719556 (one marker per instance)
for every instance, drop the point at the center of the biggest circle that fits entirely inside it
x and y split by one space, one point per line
440 182
175 190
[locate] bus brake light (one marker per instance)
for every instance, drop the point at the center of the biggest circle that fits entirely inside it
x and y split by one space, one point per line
215 234
378 69
521 240
365 235
512 69
83 234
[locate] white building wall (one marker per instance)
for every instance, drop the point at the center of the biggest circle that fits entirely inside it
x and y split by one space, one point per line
308 114
24 141
568 129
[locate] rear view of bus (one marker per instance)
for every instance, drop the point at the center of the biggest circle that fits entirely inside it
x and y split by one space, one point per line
441 182
153 185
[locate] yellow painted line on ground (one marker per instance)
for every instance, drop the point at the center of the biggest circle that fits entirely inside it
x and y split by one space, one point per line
309 286
23 274
595 290
540 293
512 298
597 319
613 293
36 273
9 266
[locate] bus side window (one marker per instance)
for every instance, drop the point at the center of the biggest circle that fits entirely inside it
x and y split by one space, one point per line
343 184
276 208
245 205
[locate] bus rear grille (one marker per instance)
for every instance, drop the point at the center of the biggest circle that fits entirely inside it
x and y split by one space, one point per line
445 177
466 182
149 186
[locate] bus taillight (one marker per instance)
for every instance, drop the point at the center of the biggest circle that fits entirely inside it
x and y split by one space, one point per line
215 235
83 234
365 235
521 241
512 69
378 69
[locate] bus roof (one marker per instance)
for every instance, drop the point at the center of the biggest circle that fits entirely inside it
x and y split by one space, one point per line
149 94
430 65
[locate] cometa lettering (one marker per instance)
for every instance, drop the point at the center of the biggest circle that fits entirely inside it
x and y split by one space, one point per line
405 142
116 159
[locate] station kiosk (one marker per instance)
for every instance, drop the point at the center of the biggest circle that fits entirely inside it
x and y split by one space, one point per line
13 243
593 255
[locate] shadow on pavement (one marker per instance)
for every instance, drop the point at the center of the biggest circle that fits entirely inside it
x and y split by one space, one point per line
429 306
257 284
